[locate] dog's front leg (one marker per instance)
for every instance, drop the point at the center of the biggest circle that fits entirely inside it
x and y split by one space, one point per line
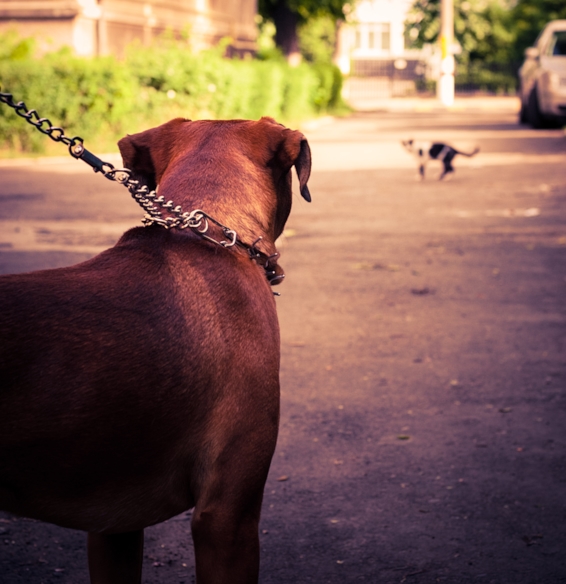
226 543
228 504
115 558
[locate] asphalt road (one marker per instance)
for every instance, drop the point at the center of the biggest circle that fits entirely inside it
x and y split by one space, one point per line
423 425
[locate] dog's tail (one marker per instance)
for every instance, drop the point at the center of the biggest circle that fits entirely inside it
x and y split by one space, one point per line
469 154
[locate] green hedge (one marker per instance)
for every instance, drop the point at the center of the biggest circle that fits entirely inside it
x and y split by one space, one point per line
102 99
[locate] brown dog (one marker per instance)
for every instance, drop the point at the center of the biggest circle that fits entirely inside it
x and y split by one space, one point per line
145 381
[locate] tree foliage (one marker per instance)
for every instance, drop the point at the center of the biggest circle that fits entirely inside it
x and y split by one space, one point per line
303 9
481 27
489 31
529 18
288 15
317 39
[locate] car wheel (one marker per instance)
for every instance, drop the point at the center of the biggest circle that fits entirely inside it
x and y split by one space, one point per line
523 117
534 115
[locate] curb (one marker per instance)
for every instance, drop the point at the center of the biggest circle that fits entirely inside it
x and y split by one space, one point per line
507 104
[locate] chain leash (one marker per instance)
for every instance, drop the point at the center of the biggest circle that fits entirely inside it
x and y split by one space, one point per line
32 117
197 220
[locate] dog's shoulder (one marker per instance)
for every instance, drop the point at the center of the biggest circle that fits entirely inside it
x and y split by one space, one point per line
188 259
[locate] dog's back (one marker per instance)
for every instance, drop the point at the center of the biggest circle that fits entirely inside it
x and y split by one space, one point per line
157 325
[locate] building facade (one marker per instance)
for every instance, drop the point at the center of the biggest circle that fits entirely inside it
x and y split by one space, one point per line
374 30
372 51
101 27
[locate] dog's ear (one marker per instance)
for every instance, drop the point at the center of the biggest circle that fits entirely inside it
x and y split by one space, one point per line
148 153
303 167
292 149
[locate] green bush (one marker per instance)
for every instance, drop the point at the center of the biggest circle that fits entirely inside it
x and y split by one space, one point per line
101 99
84 97
329 88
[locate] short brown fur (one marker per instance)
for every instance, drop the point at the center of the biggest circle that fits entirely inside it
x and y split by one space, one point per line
145 381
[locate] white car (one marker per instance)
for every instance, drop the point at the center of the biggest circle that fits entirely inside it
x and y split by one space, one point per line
543 78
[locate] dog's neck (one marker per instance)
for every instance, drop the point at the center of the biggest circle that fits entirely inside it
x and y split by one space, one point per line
239 213
250 233
251 237
246 203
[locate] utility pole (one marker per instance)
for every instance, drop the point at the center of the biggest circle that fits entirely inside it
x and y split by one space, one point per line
445 87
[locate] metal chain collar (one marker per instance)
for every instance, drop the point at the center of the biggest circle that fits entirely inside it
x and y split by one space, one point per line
197 220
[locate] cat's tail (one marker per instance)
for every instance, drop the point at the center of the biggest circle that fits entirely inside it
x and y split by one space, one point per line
469 154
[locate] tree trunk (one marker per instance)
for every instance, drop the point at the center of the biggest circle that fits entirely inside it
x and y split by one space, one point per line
286 37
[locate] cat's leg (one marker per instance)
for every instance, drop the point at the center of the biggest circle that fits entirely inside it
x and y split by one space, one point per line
447 164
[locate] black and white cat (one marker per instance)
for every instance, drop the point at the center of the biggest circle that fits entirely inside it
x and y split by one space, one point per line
425 151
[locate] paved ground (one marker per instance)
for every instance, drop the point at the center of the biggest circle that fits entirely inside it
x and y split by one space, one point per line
423 326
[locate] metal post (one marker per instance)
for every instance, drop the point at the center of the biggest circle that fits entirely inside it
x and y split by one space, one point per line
101 31
445 88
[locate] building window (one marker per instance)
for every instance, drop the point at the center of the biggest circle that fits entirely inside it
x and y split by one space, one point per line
385 36
373 37
371 40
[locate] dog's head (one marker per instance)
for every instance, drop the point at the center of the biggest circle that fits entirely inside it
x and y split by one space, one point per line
408 144
238 171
